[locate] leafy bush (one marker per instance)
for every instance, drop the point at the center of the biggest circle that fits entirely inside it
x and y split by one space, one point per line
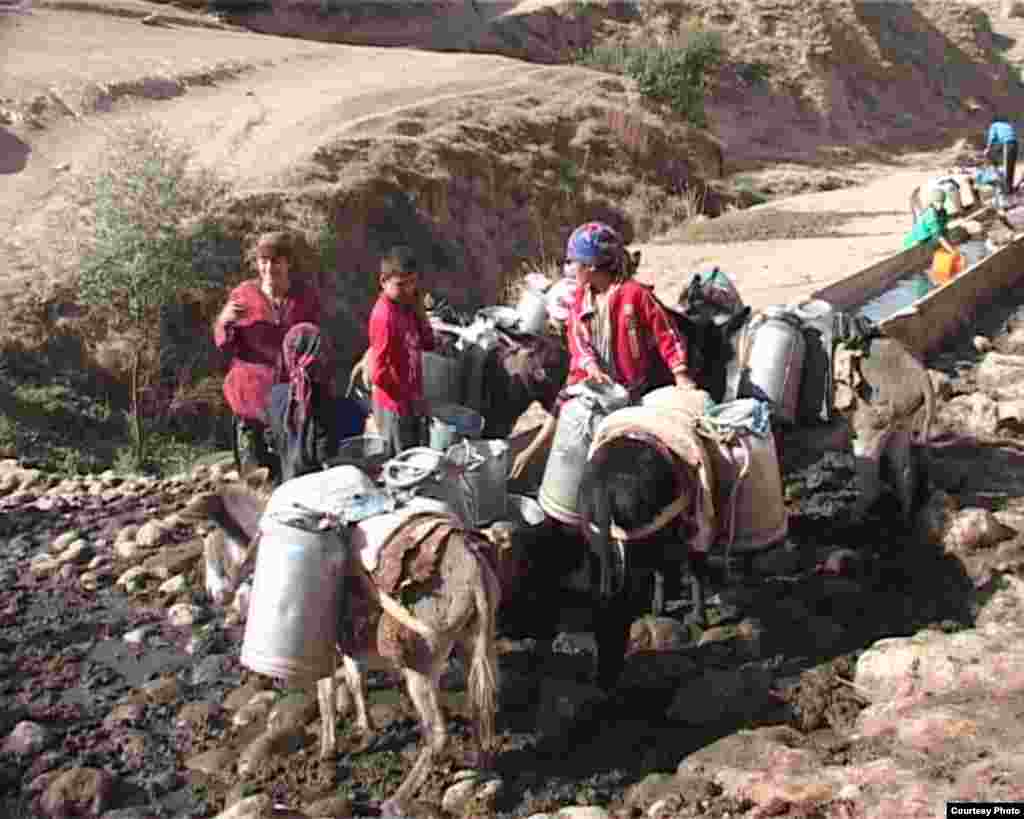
151 232
674 75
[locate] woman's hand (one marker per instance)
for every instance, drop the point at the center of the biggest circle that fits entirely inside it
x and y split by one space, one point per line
596 374
683 381
232 312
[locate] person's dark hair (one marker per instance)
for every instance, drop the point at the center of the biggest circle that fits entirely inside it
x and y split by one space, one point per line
274 244
399 259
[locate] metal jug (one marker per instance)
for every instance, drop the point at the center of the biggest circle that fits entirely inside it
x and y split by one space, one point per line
482 469
292 630
774 362
577 422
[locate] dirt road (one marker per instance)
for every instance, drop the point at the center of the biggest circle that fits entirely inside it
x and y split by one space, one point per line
257 107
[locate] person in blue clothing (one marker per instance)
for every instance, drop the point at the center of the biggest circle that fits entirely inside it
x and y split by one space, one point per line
1002 142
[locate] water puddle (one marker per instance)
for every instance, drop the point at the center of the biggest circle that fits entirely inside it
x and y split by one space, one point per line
904 293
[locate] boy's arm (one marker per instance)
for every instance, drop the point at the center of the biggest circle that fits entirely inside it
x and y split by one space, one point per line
670 344
385 353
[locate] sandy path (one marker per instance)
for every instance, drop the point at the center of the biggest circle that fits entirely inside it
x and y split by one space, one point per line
257 106
273 103
785 270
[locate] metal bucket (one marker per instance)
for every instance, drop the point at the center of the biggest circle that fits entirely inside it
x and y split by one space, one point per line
577 422
450 423
774 362
757 515
533 312
442 378
291 631
482 467
366 452
525 511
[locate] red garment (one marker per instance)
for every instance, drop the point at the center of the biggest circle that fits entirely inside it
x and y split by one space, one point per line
397 338
642 329
254 343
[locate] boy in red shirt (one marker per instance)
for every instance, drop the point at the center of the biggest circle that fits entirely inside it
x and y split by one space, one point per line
399 333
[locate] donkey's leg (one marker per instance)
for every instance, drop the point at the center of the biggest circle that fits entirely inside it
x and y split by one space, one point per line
355 682
868 446
905 474
327 697
424 688
698 578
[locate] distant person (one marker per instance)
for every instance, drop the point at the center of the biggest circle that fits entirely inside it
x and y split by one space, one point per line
399 333
952 192
947 266
930 226
251 328
307 419
1001 143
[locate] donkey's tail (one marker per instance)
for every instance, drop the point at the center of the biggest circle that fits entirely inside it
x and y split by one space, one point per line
483 665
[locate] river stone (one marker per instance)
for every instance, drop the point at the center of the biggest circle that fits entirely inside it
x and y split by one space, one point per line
26 739
332 807
1002 376
255 709
269 745
138 635
162 691
939 663
218 762
974 528
974 414
211 669
150 535
174 585
292 712
126 713
471 788
77 792
242 695
62 541
583 812
183 614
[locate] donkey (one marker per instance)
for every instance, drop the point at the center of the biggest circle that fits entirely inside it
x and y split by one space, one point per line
456 605
638 505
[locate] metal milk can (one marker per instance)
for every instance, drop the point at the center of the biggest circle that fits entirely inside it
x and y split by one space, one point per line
292 628
774 362
574 433
482 468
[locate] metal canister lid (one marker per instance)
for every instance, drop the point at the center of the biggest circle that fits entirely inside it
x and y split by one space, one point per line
781 313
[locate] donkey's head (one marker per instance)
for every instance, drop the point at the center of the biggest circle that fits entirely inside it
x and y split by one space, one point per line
229 549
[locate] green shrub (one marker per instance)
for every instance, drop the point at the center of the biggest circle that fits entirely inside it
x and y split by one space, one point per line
151 232
674 75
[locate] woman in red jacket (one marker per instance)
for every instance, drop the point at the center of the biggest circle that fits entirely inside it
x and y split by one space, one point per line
617 329
251 327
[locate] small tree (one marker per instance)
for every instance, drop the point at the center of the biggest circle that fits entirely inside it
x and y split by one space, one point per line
150 226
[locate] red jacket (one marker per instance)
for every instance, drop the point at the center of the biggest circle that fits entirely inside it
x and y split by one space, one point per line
642 329
397 337
254 343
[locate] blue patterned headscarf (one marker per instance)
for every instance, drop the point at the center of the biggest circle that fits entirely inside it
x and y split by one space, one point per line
597 244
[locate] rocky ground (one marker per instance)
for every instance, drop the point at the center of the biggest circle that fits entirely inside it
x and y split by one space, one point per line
863 671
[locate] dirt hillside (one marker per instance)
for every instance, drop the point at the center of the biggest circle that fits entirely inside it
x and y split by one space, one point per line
479 160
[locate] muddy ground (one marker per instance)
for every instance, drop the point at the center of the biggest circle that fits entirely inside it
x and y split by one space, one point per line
116 687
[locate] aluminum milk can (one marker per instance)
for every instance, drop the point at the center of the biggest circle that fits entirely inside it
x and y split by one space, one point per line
577 422
774 362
